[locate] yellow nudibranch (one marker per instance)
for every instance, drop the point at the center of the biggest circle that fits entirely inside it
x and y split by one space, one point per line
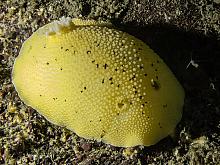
102 83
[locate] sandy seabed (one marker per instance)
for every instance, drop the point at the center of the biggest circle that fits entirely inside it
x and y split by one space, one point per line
184 33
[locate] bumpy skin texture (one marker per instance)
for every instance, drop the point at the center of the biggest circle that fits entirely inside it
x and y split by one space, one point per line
102 83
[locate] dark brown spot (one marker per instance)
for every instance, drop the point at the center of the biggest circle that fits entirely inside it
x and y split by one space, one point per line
103 133
155 84
120 105
165 106
159 125
105 66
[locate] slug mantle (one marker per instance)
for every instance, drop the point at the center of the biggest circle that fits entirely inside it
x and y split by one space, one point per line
102 83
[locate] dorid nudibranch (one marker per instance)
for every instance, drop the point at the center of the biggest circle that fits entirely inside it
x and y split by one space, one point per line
100 82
